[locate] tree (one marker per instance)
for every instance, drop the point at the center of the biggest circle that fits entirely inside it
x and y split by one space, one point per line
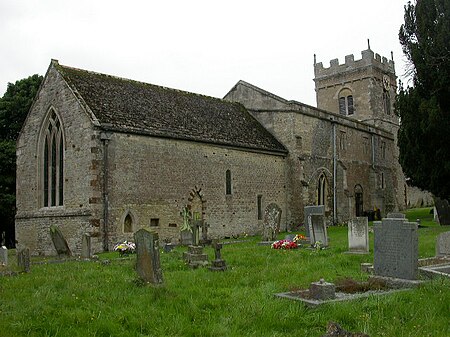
424 108
14 107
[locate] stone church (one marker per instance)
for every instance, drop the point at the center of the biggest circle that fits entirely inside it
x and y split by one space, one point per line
106 156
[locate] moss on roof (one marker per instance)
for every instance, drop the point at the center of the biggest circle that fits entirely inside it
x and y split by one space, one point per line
130 106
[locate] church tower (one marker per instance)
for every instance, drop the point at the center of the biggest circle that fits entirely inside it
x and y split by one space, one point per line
361 89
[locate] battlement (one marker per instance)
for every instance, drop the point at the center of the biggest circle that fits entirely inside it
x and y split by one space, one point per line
369 58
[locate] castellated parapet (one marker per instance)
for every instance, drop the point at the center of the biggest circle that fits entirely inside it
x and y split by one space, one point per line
369 59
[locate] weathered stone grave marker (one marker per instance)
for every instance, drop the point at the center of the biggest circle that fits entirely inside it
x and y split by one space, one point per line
60 243
3 256
442 207
271 224
396 247
23 259
186 238
218 264
358 235
443 244
148 265
86 251
311 210
317 229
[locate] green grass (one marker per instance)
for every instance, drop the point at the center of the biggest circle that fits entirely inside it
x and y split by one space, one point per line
91 299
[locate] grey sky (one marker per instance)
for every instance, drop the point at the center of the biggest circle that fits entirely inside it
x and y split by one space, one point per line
202 46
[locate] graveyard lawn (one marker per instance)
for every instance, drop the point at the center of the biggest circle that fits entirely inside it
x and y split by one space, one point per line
87 298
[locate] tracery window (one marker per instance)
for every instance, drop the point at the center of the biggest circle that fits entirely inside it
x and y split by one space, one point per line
53 162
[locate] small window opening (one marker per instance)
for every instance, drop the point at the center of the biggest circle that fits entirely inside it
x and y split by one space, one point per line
228 182
154 222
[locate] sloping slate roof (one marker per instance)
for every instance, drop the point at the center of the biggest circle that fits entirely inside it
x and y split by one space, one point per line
130 106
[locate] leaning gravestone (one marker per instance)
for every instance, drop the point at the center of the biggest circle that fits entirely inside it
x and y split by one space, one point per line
358 235
60 243
23 260
3 256
271 224
311 210
443 244
317 229
148 265
396 247
86 252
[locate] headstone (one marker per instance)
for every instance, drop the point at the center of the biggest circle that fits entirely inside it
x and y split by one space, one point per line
218 264
23 260
396 248
186 238
310 210
289 237
3 256
86 252
443 244
317 230
195 257
60 243
148 265
322 290
443 211
271 224
358 235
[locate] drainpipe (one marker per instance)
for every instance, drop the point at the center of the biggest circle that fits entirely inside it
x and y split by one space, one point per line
334 172
105 138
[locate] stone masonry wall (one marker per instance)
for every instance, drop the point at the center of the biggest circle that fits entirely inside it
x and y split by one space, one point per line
81 212
152 178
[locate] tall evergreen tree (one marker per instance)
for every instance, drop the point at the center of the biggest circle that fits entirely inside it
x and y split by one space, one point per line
14 107
424 108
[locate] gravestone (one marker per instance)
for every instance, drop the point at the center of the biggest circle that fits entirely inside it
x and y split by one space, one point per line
148 265
23 260
86 246
396 247
443 244
195 257
3 256
289 237
311 210
218 264
60 243
186 238
358 235
442 207
317 229
271 224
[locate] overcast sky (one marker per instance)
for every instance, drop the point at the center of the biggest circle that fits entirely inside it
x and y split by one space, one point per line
202 46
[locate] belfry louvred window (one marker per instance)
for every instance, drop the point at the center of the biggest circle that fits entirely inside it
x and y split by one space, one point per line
53 162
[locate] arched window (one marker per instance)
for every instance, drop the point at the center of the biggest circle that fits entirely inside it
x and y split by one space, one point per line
53 162
228 182
128 224
346 102
322 190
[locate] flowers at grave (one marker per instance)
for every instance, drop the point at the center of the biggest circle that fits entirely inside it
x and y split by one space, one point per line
299 237
284 244
318 245
125 248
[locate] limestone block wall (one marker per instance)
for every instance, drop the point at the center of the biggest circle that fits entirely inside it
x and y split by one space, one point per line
80 211
152 179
